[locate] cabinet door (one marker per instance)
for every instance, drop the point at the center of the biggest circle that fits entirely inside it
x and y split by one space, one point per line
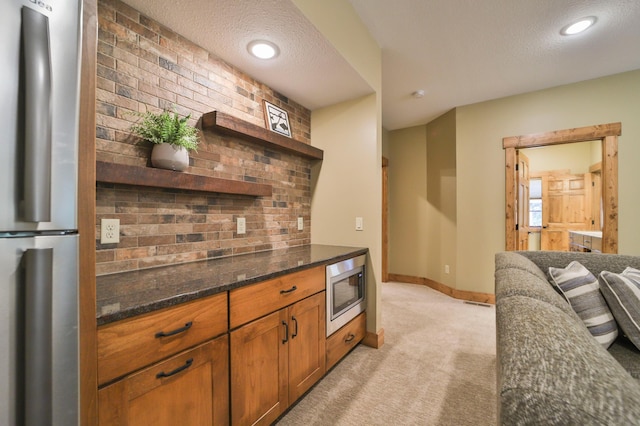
306 344
259 370
190 388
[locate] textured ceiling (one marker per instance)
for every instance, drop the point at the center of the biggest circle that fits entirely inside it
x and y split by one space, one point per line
459 51
308 70
466 51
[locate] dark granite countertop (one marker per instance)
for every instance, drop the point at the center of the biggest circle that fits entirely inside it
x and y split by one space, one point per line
128 294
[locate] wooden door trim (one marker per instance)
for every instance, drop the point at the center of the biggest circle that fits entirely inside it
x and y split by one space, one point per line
385 219
608 135
87 216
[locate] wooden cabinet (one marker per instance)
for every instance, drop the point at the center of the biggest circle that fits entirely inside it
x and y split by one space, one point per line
306 344
345 339
127 345
280 355
259 366
253 301
190 388
585 241
165 367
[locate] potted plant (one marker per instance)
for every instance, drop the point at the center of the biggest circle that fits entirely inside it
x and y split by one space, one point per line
172 137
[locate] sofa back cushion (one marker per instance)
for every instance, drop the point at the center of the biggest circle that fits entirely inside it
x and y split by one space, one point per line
552 371
594 262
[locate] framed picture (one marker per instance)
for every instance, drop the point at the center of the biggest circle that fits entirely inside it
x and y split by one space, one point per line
277 119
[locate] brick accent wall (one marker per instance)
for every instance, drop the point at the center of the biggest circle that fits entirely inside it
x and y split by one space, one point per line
145 66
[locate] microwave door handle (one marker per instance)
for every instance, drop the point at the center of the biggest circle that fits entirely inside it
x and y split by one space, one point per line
38 371
37 116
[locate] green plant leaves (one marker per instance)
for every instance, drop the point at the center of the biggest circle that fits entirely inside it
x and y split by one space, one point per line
166 127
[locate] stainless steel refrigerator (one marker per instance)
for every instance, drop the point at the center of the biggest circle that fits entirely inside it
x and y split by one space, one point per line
39 91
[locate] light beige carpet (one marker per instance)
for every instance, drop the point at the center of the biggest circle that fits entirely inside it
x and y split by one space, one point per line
437 367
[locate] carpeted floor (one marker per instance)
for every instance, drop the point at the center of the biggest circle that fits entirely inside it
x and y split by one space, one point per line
437 367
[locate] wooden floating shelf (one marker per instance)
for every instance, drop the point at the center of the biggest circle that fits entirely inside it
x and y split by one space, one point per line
223 123
159 178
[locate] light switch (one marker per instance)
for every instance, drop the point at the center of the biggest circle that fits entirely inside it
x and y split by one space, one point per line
300 223
242 226
359 224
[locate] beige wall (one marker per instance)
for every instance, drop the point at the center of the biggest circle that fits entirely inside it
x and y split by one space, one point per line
348 182
474 184
408 218
575 157
442 198
480 162
422 200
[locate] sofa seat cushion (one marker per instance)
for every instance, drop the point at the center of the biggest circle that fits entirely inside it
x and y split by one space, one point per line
581 289
622 292
552 371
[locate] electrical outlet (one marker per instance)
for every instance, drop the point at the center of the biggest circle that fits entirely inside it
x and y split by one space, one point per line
300 223
242 226
359 224
109 231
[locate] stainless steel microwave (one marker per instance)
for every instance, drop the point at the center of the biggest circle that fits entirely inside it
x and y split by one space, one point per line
346 295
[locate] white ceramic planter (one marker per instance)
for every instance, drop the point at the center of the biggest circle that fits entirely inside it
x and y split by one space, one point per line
167 156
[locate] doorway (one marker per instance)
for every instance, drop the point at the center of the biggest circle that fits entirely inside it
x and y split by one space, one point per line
608 135
565 193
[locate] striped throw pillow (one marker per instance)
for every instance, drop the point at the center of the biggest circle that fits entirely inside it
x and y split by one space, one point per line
622 292
581 289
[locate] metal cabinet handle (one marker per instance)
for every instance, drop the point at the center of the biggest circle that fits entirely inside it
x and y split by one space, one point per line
186 365
37 116
38 345
295 333
350 338
294 288
286 332
187 326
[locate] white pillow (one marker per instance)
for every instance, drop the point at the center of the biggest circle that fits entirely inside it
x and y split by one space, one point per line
580 287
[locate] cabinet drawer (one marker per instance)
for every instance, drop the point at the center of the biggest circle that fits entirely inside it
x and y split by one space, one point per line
345 339
256 300
128 345
191 388
576 238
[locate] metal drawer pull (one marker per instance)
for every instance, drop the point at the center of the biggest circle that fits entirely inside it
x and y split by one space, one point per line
176 331
295 333
186 365
294 288
286 332
350 338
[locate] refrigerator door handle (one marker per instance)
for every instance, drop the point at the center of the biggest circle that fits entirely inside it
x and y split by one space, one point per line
38 265
37 116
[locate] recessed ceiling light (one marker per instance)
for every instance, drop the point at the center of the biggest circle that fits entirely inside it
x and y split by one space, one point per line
263 49
579 26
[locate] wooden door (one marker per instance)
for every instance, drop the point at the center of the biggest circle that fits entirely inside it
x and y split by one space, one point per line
306 344
564 207
190 388
259 370
596 202
522 203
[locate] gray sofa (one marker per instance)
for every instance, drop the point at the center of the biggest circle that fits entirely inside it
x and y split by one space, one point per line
551 371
